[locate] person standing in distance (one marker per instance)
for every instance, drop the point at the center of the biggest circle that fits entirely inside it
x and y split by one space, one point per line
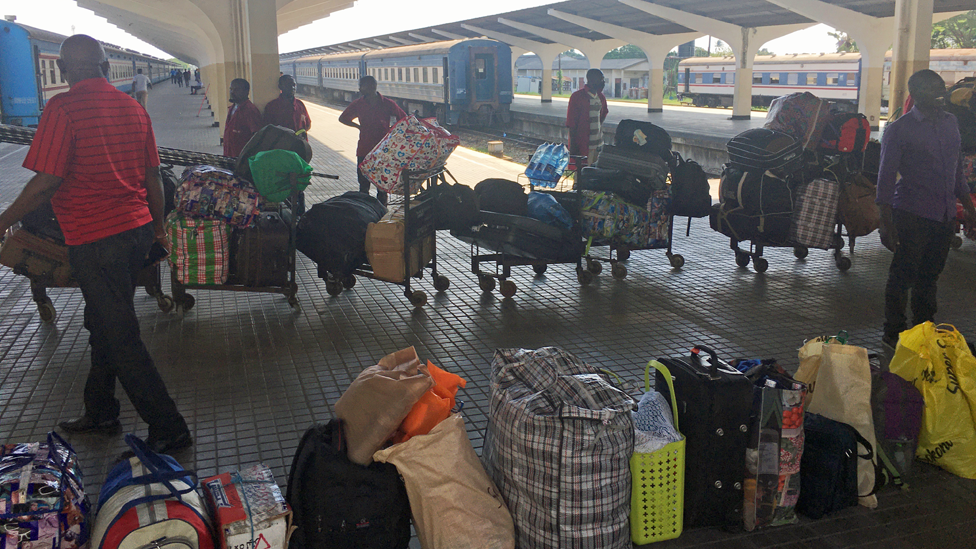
918 208
141 86
585 115
286 110
243 118
374 113
96 160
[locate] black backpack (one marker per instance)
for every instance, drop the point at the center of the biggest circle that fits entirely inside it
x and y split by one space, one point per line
338 504
333 233
690 196
169 180
271 138
456 207
502 196
643 136
829 465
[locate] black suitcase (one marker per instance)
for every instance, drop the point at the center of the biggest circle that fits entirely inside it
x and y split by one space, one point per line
761 149
333 233
502 196
259 253
628 187
643 136
650 169
523 237
714 402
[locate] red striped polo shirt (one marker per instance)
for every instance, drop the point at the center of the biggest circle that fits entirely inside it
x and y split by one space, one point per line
99 141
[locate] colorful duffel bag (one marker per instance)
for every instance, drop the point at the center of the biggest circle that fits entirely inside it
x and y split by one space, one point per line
607 217
201 249
211 193
413 145
558 447
149 500
42 498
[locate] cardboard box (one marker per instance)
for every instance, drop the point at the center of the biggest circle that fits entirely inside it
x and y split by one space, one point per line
267 526
384 248
43 260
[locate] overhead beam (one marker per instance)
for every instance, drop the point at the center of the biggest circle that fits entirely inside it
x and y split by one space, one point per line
386 43
594 50
449 35
402 41
421 37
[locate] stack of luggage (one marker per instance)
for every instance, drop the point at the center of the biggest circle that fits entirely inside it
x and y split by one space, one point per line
961 102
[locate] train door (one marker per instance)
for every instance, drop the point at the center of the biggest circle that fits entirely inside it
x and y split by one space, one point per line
483 79
687 79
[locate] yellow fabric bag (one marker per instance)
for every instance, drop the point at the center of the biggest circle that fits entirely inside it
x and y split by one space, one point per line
938 362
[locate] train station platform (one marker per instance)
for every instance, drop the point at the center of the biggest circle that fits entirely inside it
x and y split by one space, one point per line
250 374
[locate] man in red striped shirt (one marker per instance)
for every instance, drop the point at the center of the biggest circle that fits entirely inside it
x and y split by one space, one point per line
96 161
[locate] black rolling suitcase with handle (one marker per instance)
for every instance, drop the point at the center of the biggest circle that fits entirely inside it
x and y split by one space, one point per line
714 401
259 253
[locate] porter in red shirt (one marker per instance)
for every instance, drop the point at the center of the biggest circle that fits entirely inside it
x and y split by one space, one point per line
243 120
374 120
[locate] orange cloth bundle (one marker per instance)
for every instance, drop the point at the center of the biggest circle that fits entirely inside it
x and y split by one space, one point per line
433 407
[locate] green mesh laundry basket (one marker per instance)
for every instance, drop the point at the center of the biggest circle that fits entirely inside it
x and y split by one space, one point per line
657 499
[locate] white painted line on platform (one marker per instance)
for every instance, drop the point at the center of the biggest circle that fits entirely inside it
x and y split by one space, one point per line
12 153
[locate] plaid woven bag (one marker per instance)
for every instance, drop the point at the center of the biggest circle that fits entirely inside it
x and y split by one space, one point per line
201 249
815 214
558 447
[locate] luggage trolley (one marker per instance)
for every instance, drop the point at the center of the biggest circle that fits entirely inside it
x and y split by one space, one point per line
418 226
290 210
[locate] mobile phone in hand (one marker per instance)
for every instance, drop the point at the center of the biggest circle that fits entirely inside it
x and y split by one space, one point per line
156 254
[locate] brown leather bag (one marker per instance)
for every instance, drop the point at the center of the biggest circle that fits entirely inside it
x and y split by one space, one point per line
858 212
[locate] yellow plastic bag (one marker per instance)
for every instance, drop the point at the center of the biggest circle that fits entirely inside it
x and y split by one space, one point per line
938 362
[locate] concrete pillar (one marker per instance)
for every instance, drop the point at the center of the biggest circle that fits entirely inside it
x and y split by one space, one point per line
261 50
872 80
546 90
910 53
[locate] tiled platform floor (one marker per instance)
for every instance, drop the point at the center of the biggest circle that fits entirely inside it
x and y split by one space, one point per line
251 375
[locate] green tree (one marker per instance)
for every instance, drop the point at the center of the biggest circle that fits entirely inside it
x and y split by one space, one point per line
764 51
844 42
955 32
629 51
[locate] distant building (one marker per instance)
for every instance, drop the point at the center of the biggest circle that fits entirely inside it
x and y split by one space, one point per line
625 77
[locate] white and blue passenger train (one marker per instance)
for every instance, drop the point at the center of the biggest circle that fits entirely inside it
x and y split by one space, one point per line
458 81
710 81
29 76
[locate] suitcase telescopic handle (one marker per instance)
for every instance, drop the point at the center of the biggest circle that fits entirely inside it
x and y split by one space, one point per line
713 367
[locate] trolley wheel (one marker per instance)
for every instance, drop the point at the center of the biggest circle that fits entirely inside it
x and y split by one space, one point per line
442 283
540 269
418 298
594 266
508 288
47 312
333 286
742 259
623 253
801 252
760 264
619 271
486 283
956 242
677 261
584 277
166 303
348 281
188 302
843 263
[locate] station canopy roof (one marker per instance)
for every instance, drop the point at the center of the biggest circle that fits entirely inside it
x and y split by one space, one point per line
745 13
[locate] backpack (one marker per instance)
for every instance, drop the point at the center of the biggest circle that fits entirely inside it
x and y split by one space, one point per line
846 132
455 207
896 407
801 115
690 193
169 180
269 138
643 136
337 504
753 206
149 497
502 196
333 233
55 511
828 479
760 149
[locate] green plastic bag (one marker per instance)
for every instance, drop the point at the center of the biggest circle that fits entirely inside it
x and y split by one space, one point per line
271 171
938 362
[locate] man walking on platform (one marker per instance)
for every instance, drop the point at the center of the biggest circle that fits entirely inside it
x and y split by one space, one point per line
585 115
186 78
374 113
919 207
286 110
178 74
96 161
141 86
243 118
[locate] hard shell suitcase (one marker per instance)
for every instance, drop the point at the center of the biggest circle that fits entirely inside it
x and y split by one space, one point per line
259 253
761 149
714 401
645 137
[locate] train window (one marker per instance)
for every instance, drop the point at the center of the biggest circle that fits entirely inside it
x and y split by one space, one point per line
416 74
774 78
730 78
425 75
716 78
698 78
757 78
480 72
433 77
386 74
399 75
792 78
833 79
51 72
43 73
811 79
851 78
408 73
61 75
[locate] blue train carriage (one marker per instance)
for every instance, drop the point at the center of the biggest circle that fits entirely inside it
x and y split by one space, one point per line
334 77
458 81
29 75
710 81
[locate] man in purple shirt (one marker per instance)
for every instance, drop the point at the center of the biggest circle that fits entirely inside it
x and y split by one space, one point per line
919 181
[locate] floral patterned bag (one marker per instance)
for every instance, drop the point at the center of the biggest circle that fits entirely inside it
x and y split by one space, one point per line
412 145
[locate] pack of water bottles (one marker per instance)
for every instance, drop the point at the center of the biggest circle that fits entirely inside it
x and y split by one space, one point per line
547 165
